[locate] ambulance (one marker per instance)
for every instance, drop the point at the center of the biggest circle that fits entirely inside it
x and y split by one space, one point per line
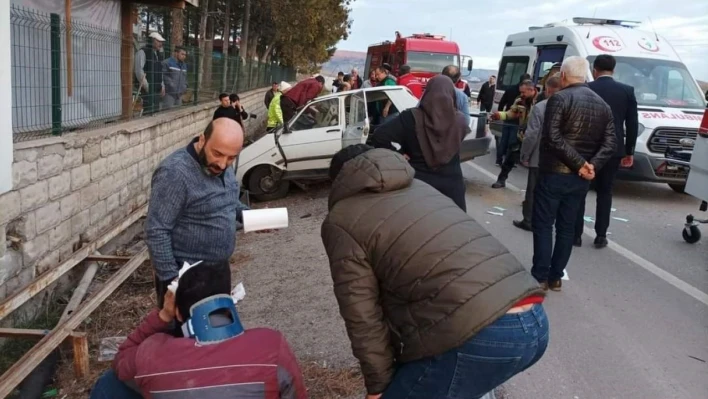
670 102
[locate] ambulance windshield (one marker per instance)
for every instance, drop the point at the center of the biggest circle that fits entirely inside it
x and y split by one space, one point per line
658 83
430 62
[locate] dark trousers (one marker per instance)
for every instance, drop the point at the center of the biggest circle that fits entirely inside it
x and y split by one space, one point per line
161 290
289 109
531 181
508 346
507 140
485 107
557 198
513 152
603 183
151 101
108 386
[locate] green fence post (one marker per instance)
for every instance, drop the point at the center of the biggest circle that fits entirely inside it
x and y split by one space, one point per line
55 46
196 78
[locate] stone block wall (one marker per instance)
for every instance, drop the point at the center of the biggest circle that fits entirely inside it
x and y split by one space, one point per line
68 189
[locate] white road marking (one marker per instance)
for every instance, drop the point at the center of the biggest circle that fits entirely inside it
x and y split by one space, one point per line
645 264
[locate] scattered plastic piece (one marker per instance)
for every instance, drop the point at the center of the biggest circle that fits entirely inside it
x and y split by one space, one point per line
487 222
609 233
613 209
620 219
50 393
565 276
108 347
238 293
499 208
495 213
589 219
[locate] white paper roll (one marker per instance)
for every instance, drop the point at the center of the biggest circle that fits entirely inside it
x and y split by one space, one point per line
265 219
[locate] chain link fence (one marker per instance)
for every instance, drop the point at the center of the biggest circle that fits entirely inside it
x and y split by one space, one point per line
73 75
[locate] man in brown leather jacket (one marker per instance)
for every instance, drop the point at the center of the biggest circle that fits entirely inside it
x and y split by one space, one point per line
435 307
577 139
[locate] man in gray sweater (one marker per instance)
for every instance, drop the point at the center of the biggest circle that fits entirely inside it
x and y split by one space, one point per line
194 204
530 149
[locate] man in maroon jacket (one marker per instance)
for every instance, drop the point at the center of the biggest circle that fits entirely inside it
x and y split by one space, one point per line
299 95
213 357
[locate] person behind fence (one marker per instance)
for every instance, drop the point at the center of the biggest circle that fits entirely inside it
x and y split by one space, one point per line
530 150
149 73
270 94
275 113
213 357
434 306
175 78
431 137
518 113
577 139
302 93
194 203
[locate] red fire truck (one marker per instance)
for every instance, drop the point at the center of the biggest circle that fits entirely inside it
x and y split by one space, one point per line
426 54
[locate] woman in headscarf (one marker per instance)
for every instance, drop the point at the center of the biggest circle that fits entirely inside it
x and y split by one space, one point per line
430 136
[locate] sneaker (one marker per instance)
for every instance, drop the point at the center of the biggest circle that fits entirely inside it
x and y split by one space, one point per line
555 285
600 242
578 242
522 224
499 184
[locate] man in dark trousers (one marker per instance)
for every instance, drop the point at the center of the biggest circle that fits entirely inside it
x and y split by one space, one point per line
300 95
148 73
485 98
620 97
509 129
578 138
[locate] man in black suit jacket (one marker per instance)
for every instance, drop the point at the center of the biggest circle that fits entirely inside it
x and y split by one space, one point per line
620 97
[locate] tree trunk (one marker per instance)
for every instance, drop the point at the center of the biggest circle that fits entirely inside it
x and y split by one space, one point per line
177 33
245 27
253 45
209 48
204 4
225 44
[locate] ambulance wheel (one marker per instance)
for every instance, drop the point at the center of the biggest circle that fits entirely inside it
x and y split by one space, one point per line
691 234
266 185
679 188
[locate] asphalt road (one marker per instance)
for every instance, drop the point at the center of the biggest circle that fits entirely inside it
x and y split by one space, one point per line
632 320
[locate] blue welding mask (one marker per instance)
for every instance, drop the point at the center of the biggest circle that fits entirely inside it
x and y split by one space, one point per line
213 320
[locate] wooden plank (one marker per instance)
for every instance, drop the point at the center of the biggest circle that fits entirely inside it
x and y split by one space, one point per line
81 355
27 333
21 369
41 282
69 56
107 258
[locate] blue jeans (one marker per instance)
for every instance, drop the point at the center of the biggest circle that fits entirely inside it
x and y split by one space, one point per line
507 140
109 386
557 199
510 345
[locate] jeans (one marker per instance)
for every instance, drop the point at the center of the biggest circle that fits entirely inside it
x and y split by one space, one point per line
508 346
508 139
527 207
109 386
604 180
557 198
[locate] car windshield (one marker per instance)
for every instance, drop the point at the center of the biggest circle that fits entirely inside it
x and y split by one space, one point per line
658 83
430 62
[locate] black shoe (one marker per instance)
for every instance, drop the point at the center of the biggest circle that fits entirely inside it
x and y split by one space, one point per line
555 285
578 242
499 184
499 163
522 224
600 242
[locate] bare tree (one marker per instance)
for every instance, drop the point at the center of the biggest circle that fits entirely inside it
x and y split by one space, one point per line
204 5
225 40
177 34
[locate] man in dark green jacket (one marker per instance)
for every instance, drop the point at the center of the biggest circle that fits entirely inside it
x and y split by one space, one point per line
424 290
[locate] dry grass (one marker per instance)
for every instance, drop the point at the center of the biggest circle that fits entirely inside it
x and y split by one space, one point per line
326 383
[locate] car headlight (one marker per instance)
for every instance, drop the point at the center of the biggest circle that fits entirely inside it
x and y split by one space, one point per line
640 129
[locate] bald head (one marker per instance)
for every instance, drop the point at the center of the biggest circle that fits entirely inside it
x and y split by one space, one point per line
219 145
453 72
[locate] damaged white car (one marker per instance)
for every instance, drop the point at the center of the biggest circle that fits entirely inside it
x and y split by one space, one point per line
303 150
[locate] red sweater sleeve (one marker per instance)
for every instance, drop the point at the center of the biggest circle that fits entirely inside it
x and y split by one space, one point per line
292 385
124 363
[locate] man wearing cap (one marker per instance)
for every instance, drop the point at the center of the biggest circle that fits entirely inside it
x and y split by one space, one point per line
270 94
275 113
148 72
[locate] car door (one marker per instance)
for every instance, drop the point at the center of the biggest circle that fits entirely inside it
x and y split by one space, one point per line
315 136
356 130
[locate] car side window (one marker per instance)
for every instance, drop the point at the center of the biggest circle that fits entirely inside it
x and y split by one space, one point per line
316 115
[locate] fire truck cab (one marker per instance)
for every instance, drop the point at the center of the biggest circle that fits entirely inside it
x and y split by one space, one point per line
425 53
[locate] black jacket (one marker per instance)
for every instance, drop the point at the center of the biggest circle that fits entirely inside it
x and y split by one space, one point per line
509 97
486 95
447 179
620 97
268 98
578 127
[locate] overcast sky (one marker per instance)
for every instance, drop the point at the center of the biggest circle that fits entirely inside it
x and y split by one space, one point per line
481 27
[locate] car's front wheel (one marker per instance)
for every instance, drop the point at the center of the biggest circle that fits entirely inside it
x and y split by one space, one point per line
266 184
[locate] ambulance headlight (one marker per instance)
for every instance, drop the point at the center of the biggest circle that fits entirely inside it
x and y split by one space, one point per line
640 129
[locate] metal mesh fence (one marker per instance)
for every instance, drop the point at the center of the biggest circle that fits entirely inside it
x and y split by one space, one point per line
69 76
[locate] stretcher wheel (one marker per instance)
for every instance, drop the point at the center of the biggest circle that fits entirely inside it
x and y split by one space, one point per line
691 234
